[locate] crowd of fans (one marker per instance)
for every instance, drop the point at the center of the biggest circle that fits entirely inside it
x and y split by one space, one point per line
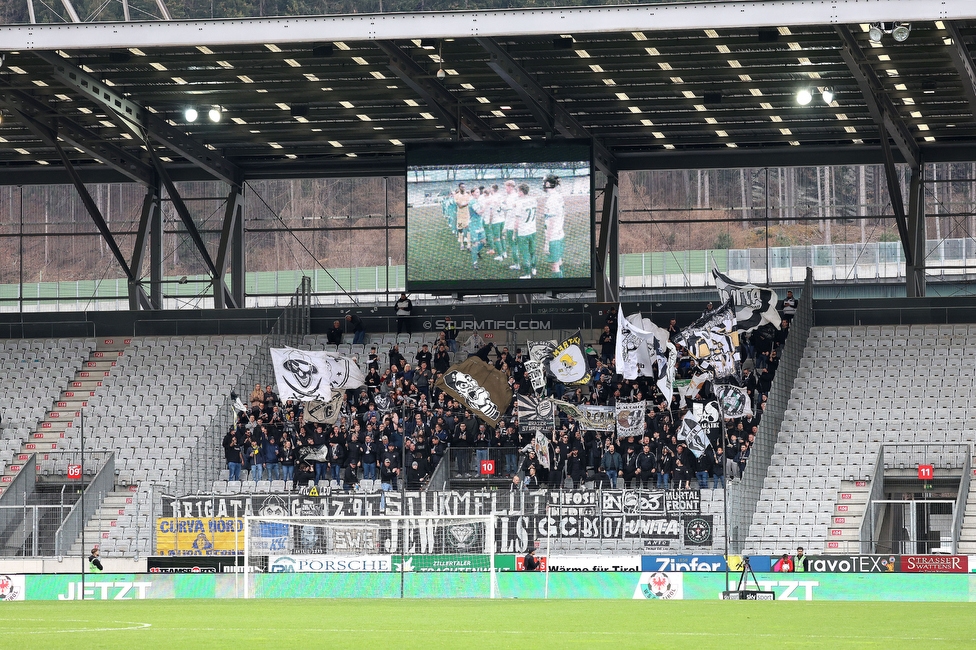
399 425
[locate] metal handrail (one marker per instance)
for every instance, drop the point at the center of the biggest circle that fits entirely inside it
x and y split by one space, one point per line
867 535
95 491
959 513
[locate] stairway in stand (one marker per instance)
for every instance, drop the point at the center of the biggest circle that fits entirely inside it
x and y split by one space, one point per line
63 420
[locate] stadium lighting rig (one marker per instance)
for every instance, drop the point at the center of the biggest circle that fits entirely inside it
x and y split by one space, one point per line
899 31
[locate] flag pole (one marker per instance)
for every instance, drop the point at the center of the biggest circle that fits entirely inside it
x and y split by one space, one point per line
725 488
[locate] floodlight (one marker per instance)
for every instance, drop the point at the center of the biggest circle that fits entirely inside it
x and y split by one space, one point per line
191 115
875 33
804 96
214 113
827 94
901 31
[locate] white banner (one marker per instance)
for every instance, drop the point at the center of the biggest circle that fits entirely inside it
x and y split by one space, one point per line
329 563
593 562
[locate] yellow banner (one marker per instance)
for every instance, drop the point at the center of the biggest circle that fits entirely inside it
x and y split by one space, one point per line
199 536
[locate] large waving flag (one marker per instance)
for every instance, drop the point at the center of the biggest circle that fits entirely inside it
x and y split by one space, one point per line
567 362
713 340
481 388
694 434
753 305
312 376
641 346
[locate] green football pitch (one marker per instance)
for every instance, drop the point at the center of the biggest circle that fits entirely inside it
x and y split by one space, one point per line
433 624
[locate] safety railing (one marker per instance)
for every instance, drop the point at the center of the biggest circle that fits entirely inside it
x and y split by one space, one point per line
743 494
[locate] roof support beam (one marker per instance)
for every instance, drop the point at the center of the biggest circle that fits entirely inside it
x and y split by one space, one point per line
70 8
468 24
894 195
232 243
963 60
141 122
608 259
38 114
875 97
149 236
915 272
547 111
435 95
137 295
226 298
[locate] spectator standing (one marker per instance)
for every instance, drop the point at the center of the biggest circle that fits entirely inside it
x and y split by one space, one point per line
718 469
232 453
404 307
800 564
358 328
286 460
607 344
789 306
530 563
450 333
613 464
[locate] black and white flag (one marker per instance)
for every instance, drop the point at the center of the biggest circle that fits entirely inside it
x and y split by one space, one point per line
535 414
641 345
536 373
540 350
592 418
693 434
307 376
714 341
735 400
568 362
630 418
324 412
383 403
754 305
540 445
302 376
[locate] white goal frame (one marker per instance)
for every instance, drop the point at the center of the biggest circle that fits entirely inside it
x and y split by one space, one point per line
402 520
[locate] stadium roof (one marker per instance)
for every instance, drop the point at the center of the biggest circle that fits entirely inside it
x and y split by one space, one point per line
664 86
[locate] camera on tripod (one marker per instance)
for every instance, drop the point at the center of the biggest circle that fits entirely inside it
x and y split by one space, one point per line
742 590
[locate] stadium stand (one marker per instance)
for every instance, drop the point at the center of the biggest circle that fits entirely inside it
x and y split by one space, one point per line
151 401
859 388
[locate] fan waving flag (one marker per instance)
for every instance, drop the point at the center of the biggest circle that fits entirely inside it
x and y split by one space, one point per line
753 305
481 388
714 341
568 364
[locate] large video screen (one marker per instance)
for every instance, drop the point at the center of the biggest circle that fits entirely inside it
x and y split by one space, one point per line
499 217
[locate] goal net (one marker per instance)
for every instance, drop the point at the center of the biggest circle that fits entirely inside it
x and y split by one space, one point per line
388 545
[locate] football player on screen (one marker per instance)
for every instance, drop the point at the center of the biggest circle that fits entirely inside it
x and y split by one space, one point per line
462 198
555 217
509 236
526 209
